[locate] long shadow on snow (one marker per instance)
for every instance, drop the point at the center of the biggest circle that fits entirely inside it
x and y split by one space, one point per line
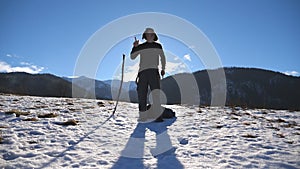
133 153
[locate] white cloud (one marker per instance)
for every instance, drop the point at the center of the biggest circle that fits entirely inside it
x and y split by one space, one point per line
4 67
25 63
131 72
292 73
73 77
12 55
187 57
176 67
28 68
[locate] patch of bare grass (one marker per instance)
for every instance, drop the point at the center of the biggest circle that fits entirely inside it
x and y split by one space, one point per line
31 119
48 115
70 122
17 112
1 138
249 136
101 104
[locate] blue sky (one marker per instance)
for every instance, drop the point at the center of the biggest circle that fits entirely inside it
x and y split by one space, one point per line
47 36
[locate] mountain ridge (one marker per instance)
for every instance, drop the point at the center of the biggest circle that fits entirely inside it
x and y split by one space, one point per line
246 87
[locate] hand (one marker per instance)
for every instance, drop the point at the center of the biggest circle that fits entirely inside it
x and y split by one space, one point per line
136 42
162 72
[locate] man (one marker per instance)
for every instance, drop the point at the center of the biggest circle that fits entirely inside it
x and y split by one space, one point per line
149 52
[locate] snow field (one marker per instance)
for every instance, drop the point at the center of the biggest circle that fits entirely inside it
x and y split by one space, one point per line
206 137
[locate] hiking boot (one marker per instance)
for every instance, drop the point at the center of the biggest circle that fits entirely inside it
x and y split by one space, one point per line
142 116
159 119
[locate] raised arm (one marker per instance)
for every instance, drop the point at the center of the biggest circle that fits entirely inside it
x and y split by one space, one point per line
134 52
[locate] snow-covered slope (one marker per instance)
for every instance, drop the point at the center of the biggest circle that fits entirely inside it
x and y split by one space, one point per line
205 137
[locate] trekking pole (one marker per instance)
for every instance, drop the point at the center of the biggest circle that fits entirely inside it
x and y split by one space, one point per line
119 93
121 84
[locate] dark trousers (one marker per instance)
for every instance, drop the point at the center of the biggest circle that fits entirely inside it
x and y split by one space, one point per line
148 77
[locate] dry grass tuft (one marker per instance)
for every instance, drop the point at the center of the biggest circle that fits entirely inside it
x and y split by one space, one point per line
247 123
279 120
111 102
32 142
31 119
101 104
1 137
17 112
70 122
280 135
48 115
69 102
249 136
199 109
88 107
